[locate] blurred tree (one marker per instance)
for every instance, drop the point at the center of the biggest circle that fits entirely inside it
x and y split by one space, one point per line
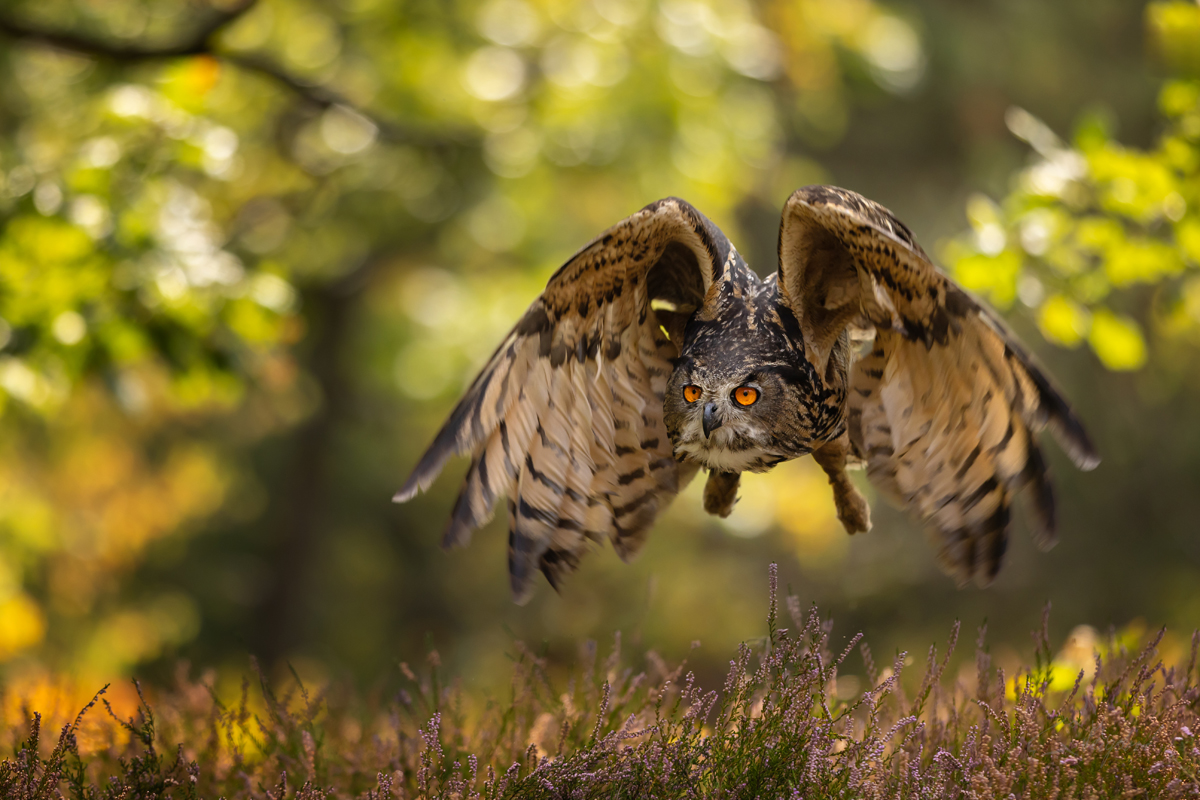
194 196
1087 223
250 250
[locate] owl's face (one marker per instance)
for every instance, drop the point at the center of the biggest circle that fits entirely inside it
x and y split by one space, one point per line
738 400
730 417
742 396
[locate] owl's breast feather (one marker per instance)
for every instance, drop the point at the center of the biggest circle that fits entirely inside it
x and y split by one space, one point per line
727 450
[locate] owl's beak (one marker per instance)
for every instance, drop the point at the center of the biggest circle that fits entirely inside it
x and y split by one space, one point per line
710 422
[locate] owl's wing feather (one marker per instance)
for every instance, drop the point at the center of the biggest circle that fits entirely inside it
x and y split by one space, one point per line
945 406
566 418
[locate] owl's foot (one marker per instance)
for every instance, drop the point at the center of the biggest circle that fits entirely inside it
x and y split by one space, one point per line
720 493
852 508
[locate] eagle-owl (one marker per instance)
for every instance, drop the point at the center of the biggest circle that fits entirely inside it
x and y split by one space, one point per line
655 351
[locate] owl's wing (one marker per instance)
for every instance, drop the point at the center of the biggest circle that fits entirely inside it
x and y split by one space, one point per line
566 418
945 406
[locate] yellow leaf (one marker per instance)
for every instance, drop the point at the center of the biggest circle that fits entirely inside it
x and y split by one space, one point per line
1141 259
1179 97
21 625
1098 233
1063 321
993 276
1175 29
1117 341
1187 234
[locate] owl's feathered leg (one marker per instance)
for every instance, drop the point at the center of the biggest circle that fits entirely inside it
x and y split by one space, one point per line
852 508
720 493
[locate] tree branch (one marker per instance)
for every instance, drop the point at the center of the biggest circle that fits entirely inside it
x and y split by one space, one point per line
198 43
324 97
202 42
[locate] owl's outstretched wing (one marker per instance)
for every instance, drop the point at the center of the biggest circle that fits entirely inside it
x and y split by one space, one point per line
566 418
945 406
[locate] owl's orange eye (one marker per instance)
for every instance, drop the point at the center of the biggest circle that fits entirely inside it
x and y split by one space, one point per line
691 393
745 395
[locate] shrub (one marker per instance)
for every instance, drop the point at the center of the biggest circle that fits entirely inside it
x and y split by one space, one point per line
776 729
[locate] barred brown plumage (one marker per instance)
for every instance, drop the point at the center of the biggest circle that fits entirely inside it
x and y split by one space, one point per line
944 406
580 419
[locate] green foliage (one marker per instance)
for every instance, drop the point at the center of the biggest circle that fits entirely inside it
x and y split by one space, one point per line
168 207
111 257
793 719
1091 222
178 220
250 252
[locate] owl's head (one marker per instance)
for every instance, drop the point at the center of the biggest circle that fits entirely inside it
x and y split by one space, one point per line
742 397
730 419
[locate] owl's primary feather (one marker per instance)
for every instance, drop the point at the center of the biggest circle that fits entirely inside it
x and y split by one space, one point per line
624 377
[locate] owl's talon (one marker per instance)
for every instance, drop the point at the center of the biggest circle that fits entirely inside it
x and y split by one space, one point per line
720 493
852 509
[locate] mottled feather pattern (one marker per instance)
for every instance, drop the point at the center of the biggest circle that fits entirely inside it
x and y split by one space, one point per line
619 383
566 417
944 406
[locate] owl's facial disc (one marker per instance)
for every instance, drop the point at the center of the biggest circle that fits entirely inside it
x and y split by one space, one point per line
722 415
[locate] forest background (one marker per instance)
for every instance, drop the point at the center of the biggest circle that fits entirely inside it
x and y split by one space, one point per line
250 253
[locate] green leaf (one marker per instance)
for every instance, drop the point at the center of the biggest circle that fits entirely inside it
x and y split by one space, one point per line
1094 130
1179 97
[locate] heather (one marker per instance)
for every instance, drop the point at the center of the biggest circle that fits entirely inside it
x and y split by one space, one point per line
777 727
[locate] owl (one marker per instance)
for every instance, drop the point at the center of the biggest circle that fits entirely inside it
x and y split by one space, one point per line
655 352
